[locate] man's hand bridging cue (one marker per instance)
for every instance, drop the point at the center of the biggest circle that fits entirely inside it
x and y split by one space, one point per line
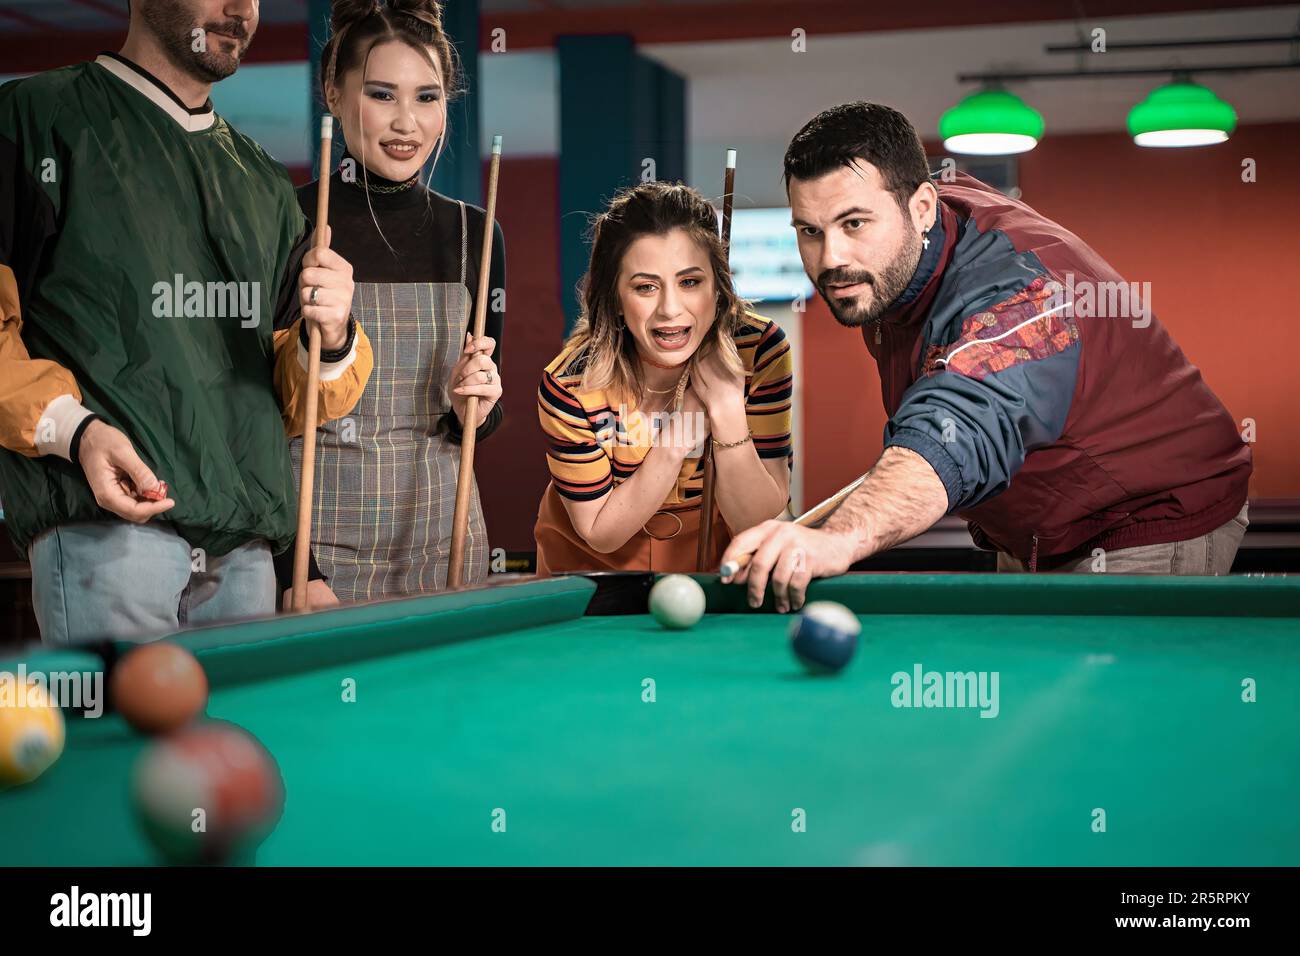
789 556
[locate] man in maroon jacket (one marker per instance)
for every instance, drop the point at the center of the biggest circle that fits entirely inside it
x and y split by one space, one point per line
1029 388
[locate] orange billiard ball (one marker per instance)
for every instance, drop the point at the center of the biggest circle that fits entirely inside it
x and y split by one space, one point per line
159 688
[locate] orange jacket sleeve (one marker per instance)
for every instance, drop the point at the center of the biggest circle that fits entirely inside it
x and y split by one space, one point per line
341 382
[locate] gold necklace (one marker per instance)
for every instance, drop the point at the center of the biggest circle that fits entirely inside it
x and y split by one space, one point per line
678 390
681 392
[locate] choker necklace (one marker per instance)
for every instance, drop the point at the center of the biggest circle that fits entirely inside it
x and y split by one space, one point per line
656 364
391 187
371 182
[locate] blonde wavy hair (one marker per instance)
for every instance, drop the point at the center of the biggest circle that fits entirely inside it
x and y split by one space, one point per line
649 209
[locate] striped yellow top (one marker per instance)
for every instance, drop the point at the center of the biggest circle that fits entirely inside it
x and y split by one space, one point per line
598 439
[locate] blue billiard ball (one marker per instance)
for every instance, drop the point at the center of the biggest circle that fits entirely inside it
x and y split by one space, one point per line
824 636
677 602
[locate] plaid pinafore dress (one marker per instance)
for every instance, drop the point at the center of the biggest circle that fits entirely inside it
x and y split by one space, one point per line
385 479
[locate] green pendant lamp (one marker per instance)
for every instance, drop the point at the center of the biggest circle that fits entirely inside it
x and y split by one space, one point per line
991 123
1181 113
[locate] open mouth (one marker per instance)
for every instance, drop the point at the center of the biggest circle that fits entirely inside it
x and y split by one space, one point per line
400 150
673 337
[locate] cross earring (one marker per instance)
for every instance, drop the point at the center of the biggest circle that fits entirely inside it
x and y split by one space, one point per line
925 239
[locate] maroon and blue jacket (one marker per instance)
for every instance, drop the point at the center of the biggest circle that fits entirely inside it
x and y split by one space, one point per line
1056 425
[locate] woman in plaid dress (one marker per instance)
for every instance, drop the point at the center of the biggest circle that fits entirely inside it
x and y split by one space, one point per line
386 474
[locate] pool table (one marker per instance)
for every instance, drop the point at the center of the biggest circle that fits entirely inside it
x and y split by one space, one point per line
1139 721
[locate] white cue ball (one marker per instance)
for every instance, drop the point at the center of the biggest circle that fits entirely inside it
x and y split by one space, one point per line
677 601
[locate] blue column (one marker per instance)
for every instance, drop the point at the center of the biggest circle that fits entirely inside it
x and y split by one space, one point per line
617 110
459 171
318 29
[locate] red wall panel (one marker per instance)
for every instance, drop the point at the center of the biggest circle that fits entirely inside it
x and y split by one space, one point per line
511 465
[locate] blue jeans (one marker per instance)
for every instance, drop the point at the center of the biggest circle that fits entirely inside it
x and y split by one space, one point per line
129 582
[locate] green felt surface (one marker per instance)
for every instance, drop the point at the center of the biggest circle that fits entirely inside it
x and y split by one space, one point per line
1137 714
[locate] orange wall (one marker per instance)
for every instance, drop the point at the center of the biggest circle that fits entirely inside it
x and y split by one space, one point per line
1222 257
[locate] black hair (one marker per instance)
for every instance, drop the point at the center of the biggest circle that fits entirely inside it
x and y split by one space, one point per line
877 134
357 26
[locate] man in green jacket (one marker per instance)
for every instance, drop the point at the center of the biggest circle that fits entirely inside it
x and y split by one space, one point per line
147 253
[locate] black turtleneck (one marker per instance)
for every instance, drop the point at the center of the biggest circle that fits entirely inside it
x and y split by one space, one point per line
407 233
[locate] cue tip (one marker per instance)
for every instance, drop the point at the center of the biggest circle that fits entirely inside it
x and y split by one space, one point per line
326 126
728 569
496 145
731 159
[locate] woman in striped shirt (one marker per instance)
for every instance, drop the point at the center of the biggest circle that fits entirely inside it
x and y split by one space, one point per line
664 358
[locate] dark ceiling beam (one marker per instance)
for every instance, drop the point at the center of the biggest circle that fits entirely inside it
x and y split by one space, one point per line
24 53
115 9
705 21
13 16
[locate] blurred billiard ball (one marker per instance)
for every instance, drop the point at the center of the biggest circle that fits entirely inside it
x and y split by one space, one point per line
209 793
824 636
31 733
159 687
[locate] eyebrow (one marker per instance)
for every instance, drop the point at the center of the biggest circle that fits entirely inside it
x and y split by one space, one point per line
392 86
853 211
651 275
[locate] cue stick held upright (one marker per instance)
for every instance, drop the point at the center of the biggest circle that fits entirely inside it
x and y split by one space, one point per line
705 545
306 481
814 515
469 427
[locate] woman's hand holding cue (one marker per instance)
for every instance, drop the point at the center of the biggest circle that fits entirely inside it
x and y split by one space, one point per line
328 277
475 374
319 597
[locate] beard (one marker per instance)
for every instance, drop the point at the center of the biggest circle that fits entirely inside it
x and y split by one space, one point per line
173 25
885 287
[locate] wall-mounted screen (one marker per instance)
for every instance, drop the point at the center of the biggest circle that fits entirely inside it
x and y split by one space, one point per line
765 257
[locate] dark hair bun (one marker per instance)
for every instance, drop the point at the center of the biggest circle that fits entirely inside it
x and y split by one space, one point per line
430 11
344 13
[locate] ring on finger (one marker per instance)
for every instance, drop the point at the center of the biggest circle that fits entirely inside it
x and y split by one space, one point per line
314 290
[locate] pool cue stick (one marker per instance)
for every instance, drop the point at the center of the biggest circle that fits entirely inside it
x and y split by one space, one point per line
469 428
307 476
812 516
705 544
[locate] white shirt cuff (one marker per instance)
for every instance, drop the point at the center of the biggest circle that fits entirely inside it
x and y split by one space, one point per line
330 370
58 423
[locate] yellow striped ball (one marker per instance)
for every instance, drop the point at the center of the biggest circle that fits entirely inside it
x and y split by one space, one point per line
31 734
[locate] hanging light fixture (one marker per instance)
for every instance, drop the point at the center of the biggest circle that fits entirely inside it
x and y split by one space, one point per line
1181 113
991 122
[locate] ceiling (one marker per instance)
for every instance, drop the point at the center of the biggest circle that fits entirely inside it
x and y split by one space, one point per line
536 22
754 93
96 16
917 70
